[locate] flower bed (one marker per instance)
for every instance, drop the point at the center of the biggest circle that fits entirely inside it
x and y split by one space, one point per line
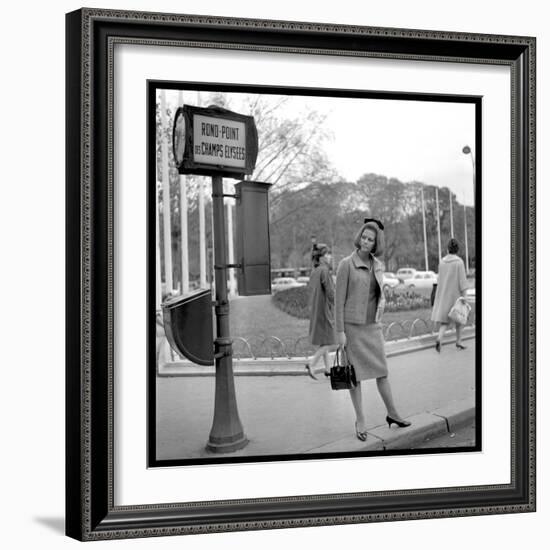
295 301
405 300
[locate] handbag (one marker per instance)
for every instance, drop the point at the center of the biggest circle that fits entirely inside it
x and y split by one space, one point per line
342 373
460 311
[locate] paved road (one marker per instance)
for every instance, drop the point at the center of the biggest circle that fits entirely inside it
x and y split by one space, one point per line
294 414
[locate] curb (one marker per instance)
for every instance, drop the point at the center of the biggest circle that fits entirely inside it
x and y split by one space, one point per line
423 426
284 366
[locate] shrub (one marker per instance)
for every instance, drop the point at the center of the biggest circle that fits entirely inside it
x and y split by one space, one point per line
294 301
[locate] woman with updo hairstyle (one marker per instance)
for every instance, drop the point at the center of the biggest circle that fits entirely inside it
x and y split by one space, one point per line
359 305
321 307
451 285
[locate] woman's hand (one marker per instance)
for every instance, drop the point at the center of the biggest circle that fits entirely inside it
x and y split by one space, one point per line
341 338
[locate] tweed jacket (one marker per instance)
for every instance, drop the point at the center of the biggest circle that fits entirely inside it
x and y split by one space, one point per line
352 291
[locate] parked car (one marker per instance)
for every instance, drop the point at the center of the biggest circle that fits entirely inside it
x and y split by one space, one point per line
282 283
390 280
405 273
421 280
471 296
302 280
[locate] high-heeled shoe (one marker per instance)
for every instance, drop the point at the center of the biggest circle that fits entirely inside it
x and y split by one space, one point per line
400 423
438 346
362 436
310 372
460 346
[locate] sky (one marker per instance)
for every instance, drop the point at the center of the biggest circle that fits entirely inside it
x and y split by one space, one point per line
408 140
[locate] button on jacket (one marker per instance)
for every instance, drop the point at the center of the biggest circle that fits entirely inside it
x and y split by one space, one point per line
352 291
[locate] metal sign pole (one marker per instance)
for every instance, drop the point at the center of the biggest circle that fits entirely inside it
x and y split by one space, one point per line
227 433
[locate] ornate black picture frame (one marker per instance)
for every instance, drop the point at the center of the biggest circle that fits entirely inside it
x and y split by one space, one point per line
90 504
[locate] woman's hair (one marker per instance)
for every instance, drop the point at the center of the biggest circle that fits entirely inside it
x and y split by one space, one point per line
453 247
378 248
319 251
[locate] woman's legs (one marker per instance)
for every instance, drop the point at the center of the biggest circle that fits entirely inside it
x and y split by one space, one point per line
357 402
328 349
311 364
323 352
384 388
459 344
441 332
316 356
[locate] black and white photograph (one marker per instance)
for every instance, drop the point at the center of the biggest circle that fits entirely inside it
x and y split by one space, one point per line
203 182
300 274
312 265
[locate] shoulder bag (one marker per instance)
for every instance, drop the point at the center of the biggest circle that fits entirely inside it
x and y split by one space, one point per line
460 311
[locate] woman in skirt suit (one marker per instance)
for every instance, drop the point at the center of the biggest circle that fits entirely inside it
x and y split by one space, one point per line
321 307
359 305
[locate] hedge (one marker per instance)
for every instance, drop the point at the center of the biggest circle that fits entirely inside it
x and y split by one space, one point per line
295 301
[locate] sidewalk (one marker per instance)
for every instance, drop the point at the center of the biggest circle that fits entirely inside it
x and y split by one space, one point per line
286 412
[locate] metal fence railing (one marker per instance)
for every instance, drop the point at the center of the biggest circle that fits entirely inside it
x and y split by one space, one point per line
270 346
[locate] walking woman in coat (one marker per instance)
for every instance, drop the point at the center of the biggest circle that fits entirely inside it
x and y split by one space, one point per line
359 305
321 307
451 285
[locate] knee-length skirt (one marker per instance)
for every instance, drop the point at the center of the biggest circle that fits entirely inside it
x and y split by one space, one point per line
366 351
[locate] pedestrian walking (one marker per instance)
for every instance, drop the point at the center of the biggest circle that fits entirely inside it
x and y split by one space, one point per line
359 305
451 285
321 307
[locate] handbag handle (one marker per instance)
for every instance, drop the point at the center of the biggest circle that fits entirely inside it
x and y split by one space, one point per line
341 357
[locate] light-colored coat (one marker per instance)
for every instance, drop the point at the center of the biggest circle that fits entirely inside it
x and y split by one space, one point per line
352 291
451 284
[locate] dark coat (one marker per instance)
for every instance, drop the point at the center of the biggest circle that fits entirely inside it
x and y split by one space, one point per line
321 307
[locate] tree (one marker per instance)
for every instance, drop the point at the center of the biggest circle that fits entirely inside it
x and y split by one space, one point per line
291 155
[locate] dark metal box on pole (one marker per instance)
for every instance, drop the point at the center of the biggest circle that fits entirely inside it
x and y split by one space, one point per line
253 250
188 326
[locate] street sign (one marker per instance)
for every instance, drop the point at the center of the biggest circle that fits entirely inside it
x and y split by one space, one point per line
213 141
220 143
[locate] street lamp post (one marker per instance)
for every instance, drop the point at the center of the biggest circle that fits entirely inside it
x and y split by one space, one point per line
468 151
451 212
438 222
466 240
